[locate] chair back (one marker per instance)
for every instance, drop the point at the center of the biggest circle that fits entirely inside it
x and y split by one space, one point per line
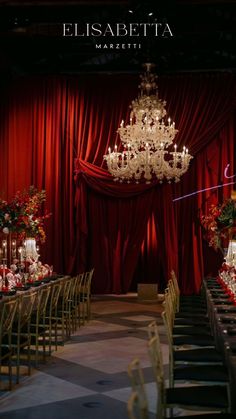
135 374
169 335
157 365
153 332
168 307
135 408
176 287
26 305
66 290
73 288
172 295
86 284
152 329
7 314
80 279
43 296
53 298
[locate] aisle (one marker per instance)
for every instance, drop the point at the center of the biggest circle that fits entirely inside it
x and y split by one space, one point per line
87 378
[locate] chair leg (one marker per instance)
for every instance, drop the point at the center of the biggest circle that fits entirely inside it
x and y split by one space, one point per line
36 348
55 331
50 337
18 365
10 374
44 347
63 328
29 359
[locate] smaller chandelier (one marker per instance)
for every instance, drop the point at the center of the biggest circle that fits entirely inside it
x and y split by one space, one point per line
146 140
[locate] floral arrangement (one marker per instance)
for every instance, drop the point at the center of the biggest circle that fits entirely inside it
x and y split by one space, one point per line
23 214
220 224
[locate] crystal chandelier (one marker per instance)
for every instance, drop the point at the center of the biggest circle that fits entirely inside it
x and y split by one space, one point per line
146 140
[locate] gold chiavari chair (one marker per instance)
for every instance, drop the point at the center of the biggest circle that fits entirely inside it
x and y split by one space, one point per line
78 303
74 301
138 402
196 371
64 309
136 408
207 397
188 306
192 334
7 314
176 289
198 338
37 322
51 318
21 336
85 294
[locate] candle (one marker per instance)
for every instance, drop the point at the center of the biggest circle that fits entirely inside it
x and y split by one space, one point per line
4 247
13 251
20 253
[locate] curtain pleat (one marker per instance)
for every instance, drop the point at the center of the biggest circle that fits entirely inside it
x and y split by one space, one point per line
54 131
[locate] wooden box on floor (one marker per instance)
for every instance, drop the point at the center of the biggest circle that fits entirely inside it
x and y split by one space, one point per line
147 292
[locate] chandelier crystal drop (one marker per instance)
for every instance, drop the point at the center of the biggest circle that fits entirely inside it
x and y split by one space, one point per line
146 140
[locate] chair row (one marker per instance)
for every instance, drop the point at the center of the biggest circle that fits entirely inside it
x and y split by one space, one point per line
191 359
35 321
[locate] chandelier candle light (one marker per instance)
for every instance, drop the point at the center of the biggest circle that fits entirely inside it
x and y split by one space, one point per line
146 140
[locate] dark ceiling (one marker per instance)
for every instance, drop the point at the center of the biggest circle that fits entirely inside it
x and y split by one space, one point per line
31 41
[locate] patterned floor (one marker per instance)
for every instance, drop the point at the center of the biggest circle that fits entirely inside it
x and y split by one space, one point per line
87 378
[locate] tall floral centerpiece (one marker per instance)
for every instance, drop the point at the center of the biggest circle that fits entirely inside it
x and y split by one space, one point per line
220 225
24 217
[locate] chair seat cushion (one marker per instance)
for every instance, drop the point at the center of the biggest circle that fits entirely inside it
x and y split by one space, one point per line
198 355
193 340
191 321
192 315
192 311
202 396
201 373
192 330
226 309
227 319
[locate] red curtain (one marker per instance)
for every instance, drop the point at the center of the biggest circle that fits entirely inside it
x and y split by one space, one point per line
45 123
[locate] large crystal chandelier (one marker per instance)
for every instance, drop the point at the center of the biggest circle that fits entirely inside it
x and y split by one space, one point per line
146 140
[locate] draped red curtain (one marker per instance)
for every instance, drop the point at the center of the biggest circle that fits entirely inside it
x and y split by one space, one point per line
47 122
